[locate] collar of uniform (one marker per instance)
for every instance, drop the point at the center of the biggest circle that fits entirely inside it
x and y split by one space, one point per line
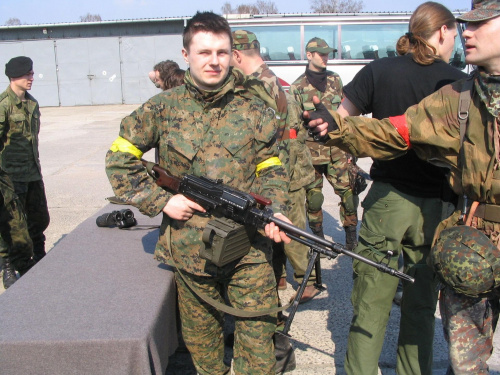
209 97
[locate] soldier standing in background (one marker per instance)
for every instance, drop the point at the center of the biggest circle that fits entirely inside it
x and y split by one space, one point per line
210 126
246 56
19 126
455 127
161 73
328 161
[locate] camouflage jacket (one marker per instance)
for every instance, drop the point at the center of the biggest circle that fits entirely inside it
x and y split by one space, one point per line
432 130
223 134
303 92
19 127
293 141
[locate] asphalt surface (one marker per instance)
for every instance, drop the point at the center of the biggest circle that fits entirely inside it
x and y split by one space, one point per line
73 143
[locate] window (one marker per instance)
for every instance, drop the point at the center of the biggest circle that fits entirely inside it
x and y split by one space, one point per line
370 41
277 42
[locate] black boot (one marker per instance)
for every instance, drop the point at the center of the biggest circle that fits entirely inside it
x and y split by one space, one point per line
351 238
38 252
9 273
26 267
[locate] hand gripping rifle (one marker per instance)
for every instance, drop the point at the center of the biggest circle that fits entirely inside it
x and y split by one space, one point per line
251 209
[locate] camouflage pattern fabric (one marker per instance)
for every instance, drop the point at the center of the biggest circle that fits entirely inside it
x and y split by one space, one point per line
328 161
303 93
34 205
433 131
481 10
298 158
251 287
221 134
466 260
243 40
19 126
13 228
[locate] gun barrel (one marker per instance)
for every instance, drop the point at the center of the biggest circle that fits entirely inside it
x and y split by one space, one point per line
318 244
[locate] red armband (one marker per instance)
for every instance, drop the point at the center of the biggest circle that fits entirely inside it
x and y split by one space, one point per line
399 122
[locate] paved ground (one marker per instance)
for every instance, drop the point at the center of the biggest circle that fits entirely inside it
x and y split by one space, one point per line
73 142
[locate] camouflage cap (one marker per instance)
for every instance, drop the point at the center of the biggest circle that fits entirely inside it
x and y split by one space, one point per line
243 39
319 45
466 260
481 10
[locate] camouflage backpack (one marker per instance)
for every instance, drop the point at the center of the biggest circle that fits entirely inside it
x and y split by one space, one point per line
466 260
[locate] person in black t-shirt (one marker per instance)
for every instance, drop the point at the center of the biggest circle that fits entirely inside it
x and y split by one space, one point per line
406 200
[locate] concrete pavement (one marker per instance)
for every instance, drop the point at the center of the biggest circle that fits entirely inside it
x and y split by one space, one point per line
73 143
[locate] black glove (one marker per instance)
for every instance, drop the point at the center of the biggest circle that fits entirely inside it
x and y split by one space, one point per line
322 113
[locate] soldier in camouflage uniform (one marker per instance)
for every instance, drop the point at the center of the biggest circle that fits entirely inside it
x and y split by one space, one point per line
19 126
328 161
211 126
433 130
246 56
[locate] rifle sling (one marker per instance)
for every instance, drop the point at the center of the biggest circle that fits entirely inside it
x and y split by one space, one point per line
218 305
222 306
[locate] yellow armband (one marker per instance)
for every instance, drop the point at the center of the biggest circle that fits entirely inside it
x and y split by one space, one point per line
122 145
266 164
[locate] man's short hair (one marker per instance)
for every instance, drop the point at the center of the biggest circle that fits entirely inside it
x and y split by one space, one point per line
207 22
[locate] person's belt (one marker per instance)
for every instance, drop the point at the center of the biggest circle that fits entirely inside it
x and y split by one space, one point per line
488 212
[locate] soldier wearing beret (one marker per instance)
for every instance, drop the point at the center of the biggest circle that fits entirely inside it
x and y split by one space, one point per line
330 162
456 127
210 126
246 56
19 159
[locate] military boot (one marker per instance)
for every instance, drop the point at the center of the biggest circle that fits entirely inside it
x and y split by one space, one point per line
38 252
26 267
9 273
351 238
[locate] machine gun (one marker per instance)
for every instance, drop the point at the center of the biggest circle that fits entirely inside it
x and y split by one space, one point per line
252 209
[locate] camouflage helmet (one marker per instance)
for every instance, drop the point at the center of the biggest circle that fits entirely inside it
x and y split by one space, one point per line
243 39
466 260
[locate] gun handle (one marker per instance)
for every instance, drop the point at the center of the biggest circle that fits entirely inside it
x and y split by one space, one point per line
261 200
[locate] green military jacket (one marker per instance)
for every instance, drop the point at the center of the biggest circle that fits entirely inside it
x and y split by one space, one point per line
225 134
19 127
301 169
303 92
431 128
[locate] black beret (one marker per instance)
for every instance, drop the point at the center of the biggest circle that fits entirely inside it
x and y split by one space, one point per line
18 66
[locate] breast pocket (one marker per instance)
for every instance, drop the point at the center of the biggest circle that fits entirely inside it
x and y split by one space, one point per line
16 122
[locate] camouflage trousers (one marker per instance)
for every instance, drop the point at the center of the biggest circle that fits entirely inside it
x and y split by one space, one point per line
14 235
295 252
337 174
469 323
249 287
34 204
404 224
